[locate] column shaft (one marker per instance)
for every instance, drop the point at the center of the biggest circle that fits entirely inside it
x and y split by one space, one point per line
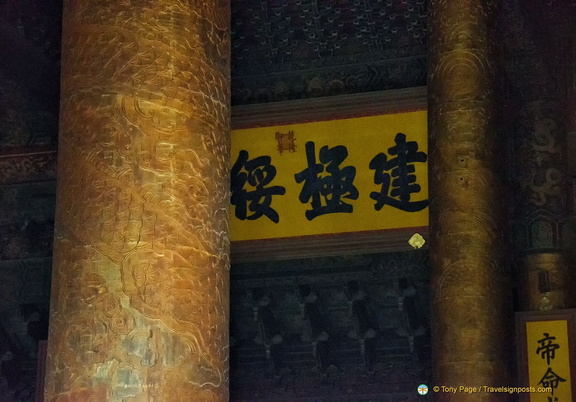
471 310
139 305
537 122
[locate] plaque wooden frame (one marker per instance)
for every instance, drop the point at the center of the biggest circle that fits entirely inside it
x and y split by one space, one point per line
318 109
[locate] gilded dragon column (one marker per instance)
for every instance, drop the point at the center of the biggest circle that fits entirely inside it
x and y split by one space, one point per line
471 304
139 306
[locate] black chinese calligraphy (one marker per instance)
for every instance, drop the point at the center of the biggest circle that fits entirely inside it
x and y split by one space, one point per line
547 349
551 379
257 173
397 176
325 183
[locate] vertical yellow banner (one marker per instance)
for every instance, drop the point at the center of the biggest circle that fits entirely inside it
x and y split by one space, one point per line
549 360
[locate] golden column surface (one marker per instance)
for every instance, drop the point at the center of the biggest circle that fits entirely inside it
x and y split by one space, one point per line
139 305
471 307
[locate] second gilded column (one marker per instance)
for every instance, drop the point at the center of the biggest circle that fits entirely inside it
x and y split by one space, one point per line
471 304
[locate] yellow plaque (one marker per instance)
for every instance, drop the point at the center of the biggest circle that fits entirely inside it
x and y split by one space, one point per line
338 176
549 360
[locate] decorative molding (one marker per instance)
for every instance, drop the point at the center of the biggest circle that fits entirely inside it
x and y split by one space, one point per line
271 37
324 245
31 164
350 77
354 326
329 108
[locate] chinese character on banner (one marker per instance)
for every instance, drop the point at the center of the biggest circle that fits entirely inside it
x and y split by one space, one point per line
258 173
551 379
325 183
397 176
547 354
547 349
